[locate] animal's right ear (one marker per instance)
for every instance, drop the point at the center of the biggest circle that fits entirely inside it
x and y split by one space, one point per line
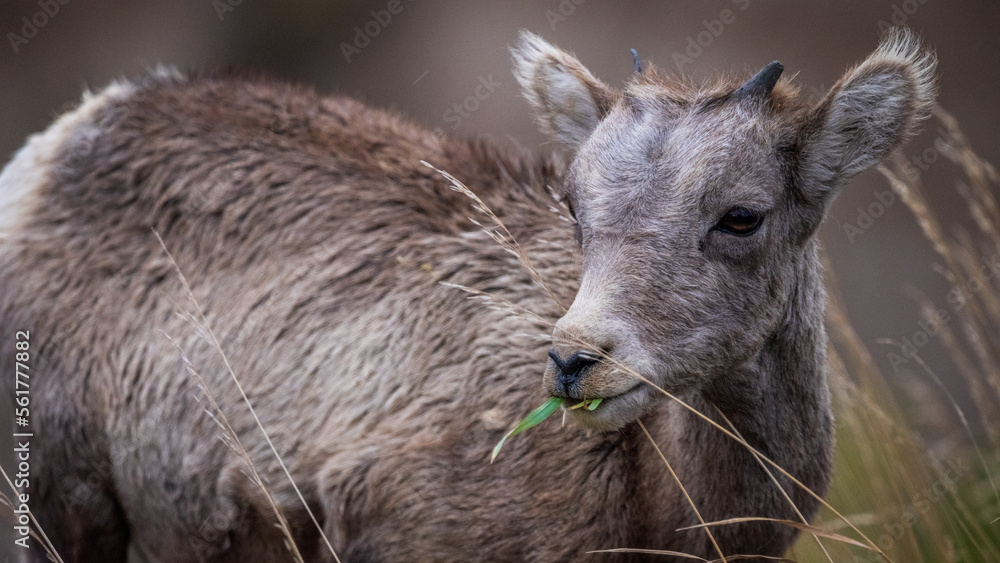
569 100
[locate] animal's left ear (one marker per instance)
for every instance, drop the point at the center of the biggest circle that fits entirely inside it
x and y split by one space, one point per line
870 111
569 100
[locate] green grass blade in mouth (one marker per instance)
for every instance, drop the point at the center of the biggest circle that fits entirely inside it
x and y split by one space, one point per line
591 404
536 416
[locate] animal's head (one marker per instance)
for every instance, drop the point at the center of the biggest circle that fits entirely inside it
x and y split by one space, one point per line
695 207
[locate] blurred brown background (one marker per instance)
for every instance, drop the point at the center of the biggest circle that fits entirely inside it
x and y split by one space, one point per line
431 55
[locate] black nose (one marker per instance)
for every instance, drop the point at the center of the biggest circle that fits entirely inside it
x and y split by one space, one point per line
570 372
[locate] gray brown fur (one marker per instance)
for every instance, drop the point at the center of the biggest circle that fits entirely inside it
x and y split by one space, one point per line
316 242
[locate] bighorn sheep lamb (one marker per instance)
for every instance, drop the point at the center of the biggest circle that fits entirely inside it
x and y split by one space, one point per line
318 247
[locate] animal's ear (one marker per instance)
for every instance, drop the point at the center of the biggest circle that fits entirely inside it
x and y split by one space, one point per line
569 100
870 111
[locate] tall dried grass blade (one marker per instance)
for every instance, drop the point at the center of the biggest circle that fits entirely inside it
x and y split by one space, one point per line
215 343
776 483
42 537
677 480
689 556
506 240
240 450
790 523
965 423
985 402
650 552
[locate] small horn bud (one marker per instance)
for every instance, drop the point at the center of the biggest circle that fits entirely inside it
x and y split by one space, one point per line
761 84
635 60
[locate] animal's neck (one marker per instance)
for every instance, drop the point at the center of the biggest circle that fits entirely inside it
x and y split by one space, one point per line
780 405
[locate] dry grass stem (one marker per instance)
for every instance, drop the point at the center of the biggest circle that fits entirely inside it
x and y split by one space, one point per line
791 523
650 552
232 440
203 322
500 234
689 556
965 423
683 489
40 536
776 484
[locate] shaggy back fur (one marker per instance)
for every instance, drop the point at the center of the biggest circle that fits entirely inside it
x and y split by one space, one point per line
316 244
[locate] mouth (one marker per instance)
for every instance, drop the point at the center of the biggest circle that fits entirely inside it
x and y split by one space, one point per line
589 403
612 412
605 398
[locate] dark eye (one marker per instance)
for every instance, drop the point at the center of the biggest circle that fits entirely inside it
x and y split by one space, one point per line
569 206
740 221
576 222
